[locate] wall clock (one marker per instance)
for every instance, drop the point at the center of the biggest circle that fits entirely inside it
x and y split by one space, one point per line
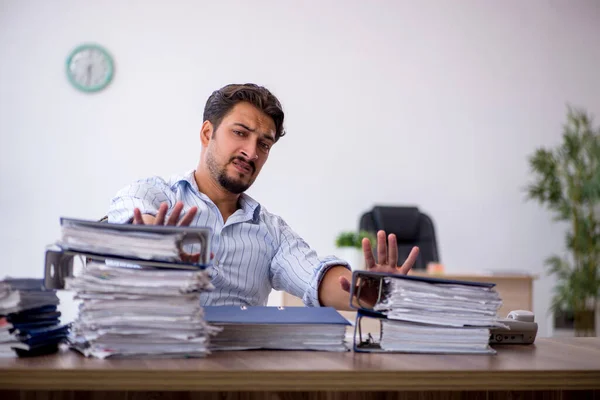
90 68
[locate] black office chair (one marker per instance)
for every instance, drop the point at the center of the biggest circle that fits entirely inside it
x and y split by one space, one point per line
412 228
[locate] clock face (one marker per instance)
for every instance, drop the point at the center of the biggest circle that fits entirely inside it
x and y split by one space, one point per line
90 68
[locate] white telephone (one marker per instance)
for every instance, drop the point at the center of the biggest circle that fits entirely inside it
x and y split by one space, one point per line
523 329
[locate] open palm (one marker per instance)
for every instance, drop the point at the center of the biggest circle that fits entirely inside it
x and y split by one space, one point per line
387 261
387 255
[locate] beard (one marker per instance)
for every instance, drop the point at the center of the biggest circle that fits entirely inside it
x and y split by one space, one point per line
233 185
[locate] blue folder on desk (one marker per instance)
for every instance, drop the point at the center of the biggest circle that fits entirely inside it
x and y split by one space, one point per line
277 328
273 315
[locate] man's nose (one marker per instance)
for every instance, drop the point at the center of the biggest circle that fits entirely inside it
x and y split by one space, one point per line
250 151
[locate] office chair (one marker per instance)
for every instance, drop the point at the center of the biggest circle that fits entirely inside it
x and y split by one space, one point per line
411 227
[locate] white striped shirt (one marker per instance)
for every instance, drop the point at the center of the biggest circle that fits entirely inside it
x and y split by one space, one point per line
254 251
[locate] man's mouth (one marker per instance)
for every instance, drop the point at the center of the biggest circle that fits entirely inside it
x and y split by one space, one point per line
242 166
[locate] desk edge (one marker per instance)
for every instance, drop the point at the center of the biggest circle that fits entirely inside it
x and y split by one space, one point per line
176 380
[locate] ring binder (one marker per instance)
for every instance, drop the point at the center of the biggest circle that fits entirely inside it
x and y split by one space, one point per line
370 282
59 260
420 322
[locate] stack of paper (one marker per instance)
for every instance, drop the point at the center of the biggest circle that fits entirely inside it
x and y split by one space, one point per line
29 320
429 316
277 328
161 243
139 312
131 244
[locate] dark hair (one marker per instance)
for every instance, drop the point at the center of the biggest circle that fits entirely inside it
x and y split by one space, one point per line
221 101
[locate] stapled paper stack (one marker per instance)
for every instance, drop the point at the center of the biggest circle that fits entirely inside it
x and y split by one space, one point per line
29 320
127 312
277 328
428 315
139 291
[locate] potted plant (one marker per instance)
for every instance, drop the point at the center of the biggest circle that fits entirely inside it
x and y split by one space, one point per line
567 181
349 245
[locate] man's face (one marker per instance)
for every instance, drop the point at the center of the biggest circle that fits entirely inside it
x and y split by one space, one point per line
240 147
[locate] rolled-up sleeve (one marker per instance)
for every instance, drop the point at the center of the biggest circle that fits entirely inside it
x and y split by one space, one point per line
145 194
296 267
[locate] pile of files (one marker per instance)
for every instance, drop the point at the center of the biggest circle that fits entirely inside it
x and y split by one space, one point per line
277 328
139 290
29 319
140 312
432 315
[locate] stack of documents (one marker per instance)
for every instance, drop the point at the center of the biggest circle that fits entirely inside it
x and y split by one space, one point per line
277 328
29 320
430 315
144 242
140 312
410 337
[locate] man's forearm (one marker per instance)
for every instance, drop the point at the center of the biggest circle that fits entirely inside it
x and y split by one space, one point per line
331 293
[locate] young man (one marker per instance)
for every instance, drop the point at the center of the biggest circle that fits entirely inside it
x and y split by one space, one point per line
254 250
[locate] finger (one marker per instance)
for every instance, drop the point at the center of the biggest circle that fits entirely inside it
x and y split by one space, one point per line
194 258
410 261
174 217
188 217
160 215
392 250
345 284
137 217
381 248
369 259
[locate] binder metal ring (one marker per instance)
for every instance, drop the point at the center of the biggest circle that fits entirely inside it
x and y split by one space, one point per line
379 291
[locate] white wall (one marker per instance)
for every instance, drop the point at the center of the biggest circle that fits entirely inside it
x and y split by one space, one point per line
433 103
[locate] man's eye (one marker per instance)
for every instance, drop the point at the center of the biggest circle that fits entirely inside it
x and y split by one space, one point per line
265 146
239 133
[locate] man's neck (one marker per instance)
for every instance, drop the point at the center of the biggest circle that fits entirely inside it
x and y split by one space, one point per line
225 201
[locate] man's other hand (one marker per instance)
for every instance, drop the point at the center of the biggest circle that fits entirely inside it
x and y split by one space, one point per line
387 261
146 219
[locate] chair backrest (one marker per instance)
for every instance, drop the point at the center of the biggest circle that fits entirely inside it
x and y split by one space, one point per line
411 227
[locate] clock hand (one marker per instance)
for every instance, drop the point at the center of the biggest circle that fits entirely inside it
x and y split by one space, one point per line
89 73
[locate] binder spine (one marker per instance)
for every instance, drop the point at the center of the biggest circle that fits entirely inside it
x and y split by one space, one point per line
59 265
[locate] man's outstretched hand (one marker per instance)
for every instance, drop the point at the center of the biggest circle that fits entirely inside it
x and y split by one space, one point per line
387 261
145 219
173 219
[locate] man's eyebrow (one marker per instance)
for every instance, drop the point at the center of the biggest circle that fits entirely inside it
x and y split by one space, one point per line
244 126
264 135
268 137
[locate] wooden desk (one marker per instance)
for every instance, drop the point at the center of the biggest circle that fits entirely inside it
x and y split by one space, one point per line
553 368
516 292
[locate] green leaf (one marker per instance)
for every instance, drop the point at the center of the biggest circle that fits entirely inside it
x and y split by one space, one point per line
354 239
561 299
558 266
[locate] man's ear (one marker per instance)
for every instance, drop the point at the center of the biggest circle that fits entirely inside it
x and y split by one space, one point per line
206 132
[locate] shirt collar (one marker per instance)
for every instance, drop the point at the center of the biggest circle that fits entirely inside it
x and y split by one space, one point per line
250 206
